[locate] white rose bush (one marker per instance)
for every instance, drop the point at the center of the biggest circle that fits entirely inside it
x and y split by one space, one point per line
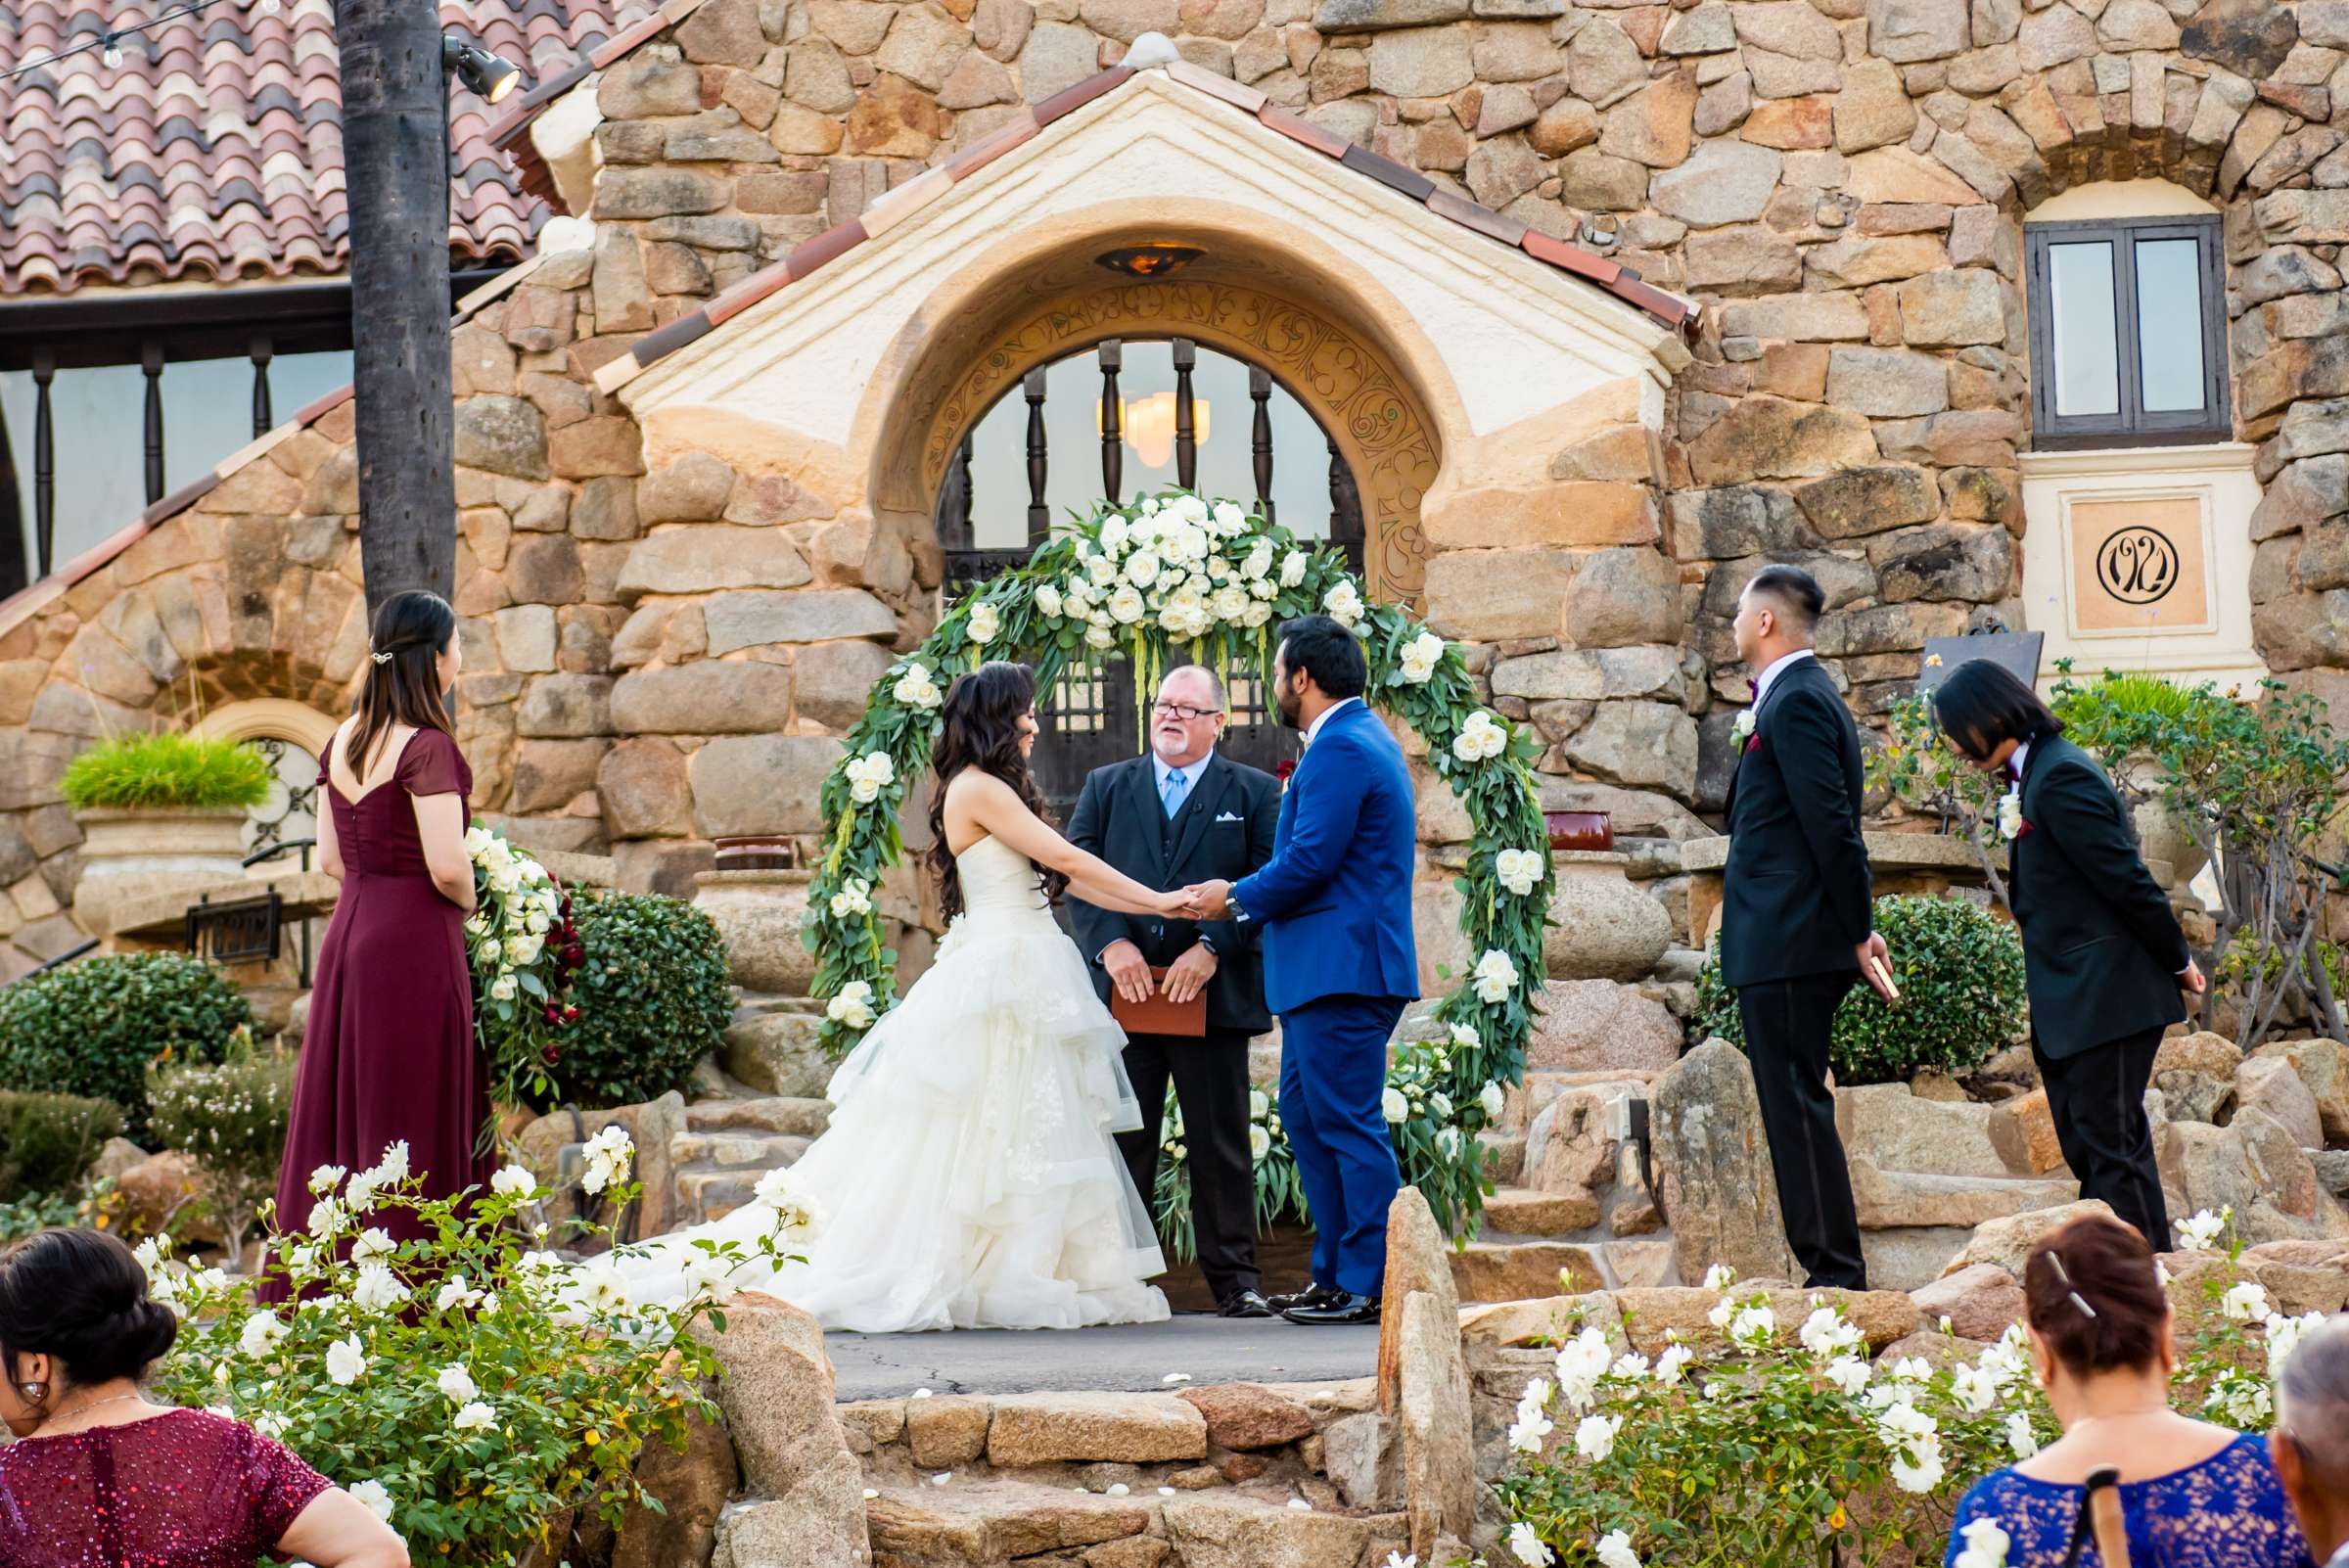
470 1387
1781 1444
1173 579
521 949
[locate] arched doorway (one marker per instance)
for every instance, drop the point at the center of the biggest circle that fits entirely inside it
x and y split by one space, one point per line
1124 417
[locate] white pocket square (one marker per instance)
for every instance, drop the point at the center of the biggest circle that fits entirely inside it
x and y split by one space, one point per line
1228 816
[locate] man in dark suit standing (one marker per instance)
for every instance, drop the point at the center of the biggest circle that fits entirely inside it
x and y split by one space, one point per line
1797 924
1182 814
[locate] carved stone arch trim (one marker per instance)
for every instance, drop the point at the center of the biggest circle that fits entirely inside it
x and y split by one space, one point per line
271 718
1359 397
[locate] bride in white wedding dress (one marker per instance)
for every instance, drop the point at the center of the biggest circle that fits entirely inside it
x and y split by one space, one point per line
968 1179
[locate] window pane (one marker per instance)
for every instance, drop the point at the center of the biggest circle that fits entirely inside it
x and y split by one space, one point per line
2169 325
97 415
2088 378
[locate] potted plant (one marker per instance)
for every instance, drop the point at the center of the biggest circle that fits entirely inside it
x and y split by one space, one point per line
160 813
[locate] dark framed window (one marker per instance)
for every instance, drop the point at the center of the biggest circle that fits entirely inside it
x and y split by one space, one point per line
2128 333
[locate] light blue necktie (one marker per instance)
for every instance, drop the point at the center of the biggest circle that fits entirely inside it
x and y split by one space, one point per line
1173 793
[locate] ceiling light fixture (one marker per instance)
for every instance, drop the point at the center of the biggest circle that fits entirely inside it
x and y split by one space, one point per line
1153 261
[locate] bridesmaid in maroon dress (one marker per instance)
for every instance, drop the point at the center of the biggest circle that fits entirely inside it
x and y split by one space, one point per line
389 1054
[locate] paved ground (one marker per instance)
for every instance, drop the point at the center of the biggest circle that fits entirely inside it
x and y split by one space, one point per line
1130 1357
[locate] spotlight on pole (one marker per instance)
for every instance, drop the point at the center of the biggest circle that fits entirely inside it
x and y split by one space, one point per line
491 76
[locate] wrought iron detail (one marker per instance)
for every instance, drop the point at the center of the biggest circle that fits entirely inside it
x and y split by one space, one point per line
240 932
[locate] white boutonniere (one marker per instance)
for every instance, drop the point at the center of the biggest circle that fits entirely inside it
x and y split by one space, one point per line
1744 726
2011 814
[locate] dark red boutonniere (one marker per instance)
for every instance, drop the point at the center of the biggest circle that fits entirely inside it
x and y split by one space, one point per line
1282 770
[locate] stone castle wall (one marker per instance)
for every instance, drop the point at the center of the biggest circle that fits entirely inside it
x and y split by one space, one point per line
1840 182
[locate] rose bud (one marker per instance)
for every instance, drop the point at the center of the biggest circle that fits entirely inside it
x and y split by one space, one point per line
575 955
554 1014
551 1055
570 1015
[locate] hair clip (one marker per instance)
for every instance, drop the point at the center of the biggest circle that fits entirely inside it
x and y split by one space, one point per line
380 658
2063 1277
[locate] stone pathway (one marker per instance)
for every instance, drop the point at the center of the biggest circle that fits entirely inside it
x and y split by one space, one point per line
1130 1357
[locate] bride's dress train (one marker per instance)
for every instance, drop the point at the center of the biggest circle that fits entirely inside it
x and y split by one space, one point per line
968 1179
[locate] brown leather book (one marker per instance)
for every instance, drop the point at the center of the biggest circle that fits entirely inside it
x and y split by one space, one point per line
1158 1015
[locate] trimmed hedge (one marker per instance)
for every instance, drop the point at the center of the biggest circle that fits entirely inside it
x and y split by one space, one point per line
653 999
1959 971
95 1027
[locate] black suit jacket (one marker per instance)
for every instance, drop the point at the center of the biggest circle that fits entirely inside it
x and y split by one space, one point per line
1224 830
1795 892
2101 948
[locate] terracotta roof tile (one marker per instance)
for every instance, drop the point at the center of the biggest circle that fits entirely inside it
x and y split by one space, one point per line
215 149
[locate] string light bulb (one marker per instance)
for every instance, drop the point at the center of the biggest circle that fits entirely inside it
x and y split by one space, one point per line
113 55
270 8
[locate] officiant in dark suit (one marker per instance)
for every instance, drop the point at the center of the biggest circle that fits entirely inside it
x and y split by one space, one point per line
2103 958
1178 815
1797 923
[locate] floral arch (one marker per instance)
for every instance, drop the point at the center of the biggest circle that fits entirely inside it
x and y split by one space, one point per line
1167 580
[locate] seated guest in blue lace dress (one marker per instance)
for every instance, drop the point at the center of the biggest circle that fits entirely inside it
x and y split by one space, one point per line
2311 1440
2193 1495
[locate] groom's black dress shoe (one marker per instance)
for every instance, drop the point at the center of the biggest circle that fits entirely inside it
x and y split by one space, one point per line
1340 1307
1310 1296
1244 1303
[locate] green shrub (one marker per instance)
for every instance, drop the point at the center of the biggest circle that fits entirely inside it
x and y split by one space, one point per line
47 1140
40 1210
1959 972
96 1026
652 999
137 772
232 1120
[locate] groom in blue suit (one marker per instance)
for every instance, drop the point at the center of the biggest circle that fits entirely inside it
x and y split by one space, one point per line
1335 903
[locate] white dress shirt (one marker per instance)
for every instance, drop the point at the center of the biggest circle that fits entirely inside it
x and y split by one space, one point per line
1322 719
1778 666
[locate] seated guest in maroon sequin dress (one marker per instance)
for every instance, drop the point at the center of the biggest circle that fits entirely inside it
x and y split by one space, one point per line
99 1478
388 1054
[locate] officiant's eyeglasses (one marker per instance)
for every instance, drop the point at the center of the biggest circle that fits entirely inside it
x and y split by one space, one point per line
1182 712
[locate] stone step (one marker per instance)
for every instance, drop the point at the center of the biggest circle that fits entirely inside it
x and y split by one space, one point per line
707 1195
798 1117
1525 1211
991 1524
1897 1199
736 1151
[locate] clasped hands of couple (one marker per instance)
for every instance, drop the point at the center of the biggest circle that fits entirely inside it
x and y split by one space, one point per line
1187 976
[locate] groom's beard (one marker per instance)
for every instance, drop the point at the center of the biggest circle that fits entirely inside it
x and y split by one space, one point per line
1290 707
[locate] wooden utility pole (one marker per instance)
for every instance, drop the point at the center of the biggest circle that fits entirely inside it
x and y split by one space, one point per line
395 159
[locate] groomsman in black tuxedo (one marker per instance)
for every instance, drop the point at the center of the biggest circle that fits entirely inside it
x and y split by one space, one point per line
2103 957
1181 815
1796 922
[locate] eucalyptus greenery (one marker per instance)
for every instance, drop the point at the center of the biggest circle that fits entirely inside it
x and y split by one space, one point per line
1959 969
142 773
1280 1189
1126 584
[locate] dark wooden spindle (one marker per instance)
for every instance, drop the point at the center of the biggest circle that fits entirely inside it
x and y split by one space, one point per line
1186 430
1113 433
1040 516
953 519
1259 393
261 353
150 361
44 463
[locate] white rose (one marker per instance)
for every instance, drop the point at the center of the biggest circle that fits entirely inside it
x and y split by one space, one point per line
2246 1301
1100 638
1344 604
1230 519
1595 1436
1849 1373
327 1218
1614 1550
1393 1106
1419 658
1047 599
1491 1099
514 1181
1494 976
377 1289
373 1245
1113 534
371 1495
326 1178
1260 1143
1527 1547
1188 509
2200 1233
475 1416
1754 1326
852 1006
502 988
346 1362
869 774
917 688
1231 602
985 621
1126 605
1292 567
1141 568
2019 1436
1721 1276
457 1384
1102 570
263 1333
1519 870
1257 561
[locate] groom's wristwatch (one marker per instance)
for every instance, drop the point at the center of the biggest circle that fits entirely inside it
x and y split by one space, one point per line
1232 908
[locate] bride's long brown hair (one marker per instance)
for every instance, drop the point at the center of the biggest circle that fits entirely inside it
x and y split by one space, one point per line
979 727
